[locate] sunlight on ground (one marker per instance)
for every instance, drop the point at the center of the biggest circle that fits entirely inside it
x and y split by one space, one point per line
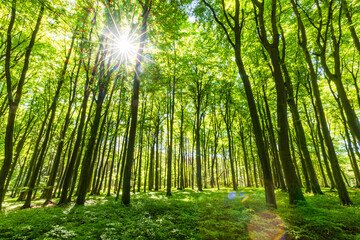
186 193
156 196
185 199
266 225
187 214
68 209
12 207
95 200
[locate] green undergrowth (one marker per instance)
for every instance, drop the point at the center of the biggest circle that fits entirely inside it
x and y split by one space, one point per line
187 215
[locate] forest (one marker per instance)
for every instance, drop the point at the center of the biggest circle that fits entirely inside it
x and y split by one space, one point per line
179 119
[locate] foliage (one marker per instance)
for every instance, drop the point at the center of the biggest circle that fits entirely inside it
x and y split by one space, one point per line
187 215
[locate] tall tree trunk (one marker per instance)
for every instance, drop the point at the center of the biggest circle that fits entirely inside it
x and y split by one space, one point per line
18 150
241 132
182 160
316 147
253 160
151 165
134 106
170 150
14 102
76 154
213 160
342 191
35 173
197 140
157 166
228 119
51 181
101 169
347 139
300 133
262 151
85 175
292 183
123 156
269 124
336 77
115 137
141 145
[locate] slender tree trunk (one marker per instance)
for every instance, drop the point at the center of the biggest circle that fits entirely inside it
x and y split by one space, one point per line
123 156
157 170
85 175
245 156
141 145
181 150
197 140
277 167
170 150
300 133
14 102
342 191
51 181
336 77
134 106
18 150
294 159
317 151
151 165
292 183
76 154
254 161
347 139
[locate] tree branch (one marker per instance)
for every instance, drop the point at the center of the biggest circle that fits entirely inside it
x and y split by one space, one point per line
8 53
219 22
226 17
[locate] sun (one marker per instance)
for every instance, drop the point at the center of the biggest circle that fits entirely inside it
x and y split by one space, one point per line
125 47
122 43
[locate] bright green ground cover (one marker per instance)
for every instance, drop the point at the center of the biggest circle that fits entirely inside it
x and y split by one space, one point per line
187 215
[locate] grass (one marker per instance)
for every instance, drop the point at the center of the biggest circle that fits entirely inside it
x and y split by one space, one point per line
187 215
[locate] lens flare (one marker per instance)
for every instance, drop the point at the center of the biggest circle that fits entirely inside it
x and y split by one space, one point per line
244 198
232 195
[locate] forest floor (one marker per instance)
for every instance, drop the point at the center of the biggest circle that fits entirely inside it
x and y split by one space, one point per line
188 214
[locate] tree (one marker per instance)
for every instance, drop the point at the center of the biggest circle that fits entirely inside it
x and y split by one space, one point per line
343 194
146 8
294 189
14 102
236 28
